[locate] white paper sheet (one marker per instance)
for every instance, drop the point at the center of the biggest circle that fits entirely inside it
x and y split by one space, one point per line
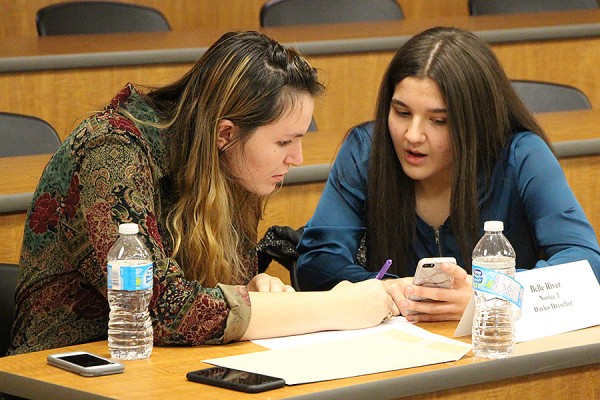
336 355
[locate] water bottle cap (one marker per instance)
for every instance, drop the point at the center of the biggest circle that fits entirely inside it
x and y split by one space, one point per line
494 226
129 229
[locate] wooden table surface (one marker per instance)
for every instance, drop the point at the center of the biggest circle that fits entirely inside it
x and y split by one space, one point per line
531 372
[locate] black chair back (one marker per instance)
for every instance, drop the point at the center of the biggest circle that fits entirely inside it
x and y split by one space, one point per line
482 7
88 17
8 284
24 135
550 97
304 12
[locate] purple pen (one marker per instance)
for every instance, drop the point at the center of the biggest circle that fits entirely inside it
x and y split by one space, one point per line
384 269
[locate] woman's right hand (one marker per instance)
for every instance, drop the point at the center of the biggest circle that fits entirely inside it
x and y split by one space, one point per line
361 305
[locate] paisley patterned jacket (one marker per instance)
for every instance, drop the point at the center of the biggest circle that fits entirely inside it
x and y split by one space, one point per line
111 170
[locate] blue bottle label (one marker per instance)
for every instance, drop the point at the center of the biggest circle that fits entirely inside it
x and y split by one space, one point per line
121 275
498 284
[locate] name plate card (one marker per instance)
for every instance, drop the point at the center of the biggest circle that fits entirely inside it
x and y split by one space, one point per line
556 299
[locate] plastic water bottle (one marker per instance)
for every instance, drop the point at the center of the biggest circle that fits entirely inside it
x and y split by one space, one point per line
493 331
129 279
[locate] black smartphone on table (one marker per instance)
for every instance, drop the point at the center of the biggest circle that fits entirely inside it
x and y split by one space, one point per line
234 379
85 364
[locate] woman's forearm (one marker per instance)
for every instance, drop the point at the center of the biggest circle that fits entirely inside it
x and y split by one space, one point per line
347 306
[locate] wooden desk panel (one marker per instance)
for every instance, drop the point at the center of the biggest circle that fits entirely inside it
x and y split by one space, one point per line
185 15
11 228
531 375
74 51
553 385
18 175
293 205
21 174
569 62
582 175
41 80
64 97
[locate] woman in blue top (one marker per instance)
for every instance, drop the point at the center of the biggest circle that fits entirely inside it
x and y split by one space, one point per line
451 147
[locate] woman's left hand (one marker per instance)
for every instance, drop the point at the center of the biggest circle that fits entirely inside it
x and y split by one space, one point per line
449 304
267 283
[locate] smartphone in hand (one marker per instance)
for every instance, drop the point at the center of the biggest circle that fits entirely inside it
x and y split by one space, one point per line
429 273
85 364
229 378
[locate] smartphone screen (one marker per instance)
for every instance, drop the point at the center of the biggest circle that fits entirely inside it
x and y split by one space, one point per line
235 379
85 363
85 360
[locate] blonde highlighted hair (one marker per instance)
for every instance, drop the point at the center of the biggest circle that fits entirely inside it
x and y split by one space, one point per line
251 80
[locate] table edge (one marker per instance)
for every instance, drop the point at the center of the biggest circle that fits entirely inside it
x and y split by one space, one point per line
465 375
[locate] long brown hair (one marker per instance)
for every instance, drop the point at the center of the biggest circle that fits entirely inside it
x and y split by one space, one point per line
483 112
251 80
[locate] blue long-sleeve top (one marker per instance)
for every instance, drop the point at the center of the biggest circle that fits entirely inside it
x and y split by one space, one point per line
528 191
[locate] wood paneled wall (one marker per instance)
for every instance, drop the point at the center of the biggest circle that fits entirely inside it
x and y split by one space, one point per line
63 97
186 15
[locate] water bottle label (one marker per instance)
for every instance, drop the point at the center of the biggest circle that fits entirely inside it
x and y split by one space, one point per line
122 276
498 284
